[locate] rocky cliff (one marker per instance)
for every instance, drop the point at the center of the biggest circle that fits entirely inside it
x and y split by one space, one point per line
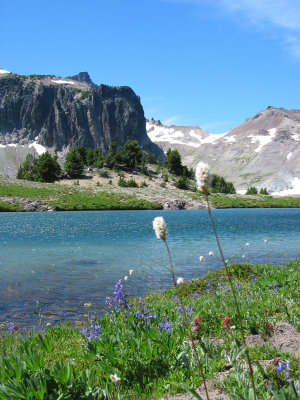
264 151
40 111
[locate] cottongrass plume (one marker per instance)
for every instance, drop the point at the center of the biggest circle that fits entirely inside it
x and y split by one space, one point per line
161 232
160 228
203 178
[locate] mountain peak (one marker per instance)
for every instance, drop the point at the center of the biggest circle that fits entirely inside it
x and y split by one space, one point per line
82 77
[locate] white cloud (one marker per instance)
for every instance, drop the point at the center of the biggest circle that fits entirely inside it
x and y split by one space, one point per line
281 15
170 120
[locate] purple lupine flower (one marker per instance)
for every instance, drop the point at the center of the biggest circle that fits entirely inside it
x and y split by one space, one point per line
162 325
120 294
92 333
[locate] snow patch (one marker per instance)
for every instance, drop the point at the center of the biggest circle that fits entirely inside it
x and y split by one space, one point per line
170 135
296 136
241 191
62 81
230 139
263 140
10 145
289 192
289 156
3 71
38 148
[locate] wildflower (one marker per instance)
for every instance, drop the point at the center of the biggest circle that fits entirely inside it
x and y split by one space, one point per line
12 327
160 228
226 321
280 367
202 177
87 305
287 376
266 240
247 244
48 324
120 295
210 253
131 272
270 387
201 258
243 256
115 378
275 361
180 281
196 324
125 278
93 333
233 327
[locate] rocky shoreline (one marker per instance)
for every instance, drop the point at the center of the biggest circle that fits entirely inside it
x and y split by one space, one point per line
36 205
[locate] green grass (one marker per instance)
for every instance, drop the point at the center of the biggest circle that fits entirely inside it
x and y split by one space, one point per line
66 198
248 201
62 363
6 206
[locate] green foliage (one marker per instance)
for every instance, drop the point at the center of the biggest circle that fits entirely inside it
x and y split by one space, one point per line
62 364
182 183
219 185
130 183
45 168
263 191
27 169
251 190
85 94
74 164
173 162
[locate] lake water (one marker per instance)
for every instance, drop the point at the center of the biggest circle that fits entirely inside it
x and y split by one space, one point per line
66 259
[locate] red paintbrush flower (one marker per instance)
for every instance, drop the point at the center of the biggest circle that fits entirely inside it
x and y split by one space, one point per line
226 321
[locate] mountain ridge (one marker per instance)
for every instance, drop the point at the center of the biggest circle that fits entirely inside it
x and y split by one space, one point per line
263 151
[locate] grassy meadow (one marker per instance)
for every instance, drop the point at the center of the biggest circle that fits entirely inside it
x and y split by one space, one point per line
85 195
140 349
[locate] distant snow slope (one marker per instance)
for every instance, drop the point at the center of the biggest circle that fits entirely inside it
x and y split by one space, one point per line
264 151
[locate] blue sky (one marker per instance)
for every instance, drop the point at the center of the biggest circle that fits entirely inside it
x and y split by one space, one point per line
207 63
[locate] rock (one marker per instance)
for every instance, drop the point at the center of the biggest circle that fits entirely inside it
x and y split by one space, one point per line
183 205
58 113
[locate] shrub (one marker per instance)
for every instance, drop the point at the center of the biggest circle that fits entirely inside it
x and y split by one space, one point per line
263 191
251 190
220 185
143 184
103 173
74 165
182 183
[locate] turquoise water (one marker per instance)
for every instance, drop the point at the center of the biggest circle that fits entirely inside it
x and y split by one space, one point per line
66 259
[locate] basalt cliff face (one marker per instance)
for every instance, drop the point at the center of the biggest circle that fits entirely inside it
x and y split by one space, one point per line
264 151
38 112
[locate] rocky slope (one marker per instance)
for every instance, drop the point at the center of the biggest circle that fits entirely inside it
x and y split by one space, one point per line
264 151
39 112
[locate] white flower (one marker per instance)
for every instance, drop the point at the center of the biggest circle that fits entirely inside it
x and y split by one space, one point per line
243 256
125 278
247 244
266 240
233 327
202 177
201 258
115 378
180 281
131 272
48 324
210 253
160 228
87 305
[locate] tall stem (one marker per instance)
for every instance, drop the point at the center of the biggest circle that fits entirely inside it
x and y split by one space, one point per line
234 296
187 322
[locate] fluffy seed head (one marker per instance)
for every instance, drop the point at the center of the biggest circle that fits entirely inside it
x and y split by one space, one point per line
160 228
201 258
115 378
131 272
125 278
210 253
247 244
202 177
266 240
87 305
180 281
